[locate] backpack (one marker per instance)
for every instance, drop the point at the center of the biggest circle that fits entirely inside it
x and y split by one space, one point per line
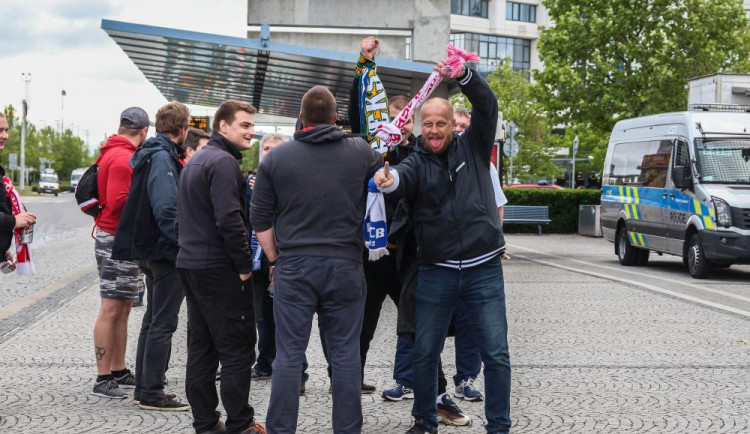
87 192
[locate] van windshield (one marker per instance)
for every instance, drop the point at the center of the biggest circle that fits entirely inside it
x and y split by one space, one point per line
75 177
723 161
48 178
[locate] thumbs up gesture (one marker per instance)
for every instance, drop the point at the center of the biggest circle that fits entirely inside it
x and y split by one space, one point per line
383 177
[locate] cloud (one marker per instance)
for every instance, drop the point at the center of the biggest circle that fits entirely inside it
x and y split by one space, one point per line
40 27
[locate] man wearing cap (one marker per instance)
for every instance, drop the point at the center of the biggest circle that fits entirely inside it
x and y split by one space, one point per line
119 281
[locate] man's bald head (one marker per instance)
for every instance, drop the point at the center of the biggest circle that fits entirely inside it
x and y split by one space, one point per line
318 107
441 103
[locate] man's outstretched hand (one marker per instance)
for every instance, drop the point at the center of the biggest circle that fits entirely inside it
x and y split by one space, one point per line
383 177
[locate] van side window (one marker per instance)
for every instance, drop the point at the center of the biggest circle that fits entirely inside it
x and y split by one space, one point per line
640 164
681 156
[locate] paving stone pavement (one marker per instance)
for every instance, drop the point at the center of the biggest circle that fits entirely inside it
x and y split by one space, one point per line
589 355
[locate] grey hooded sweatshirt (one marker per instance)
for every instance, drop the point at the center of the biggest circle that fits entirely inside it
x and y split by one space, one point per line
312 190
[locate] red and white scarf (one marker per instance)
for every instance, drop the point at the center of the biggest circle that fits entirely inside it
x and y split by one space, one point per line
23 253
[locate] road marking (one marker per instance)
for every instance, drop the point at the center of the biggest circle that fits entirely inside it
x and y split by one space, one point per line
33 298
635 283
625 270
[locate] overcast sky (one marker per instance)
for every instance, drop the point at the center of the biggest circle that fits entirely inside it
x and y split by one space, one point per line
62 45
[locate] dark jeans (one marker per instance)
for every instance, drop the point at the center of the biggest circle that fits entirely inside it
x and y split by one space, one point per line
468 359
222 328
382 281
439 290
163 302
335 289
263 304
402 371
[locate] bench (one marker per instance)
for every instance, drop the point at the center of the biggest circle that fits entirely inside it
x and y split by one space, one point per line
526 215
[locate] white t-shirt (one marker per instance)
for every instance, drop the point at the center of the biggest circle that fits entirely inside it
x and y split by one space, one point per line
499 195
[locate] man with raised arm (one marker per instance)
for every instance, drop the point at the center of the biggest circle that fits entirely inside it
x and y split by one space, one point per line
460 241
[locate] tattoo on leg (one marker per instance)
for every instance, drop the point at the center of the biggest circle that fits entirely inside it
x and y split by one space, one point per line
99 352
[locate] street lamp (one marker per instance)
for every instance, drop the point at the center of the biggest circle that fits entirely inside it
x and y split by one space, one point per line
575 151
26 76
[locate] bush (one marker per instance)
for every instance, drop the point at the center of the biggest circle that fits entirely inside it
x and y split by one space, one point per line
563 207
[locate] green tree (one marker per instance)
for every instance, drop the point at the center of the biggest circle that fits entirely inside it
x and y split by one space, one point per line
65 150
606 60
519 103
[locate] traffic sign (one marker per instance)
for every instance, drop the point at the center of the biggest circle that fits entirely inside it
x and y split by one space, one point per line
510 148
12 161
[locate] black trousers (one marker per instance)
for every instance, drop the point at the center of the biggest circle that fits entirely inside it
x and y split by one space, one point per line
221 325
382 281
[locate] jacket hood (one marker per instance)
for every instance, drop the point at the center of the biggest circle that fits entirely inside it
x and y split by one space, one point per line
320 134
116 141
151 146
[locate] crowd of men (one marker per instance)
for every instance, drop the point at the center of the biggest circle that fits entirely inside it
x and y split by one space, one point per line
271 251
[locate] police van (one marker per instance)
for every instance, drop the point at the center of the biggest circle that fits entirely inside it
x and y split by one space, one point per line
679 183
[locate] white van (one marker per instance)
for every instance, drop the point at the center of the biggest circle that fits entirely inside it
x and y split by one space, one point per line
48 182
679 183
74 177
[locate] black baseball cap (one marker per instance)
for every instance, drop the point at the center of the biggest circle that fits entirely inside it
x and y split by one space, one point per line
134 118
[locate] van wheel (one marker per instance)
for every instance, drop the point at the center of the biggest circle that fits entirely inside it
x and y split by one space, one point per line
698 266
626 253
642 258
55 194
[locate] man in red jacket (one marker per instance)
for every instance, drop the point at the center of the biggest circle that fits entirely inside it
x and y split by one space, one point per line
119 281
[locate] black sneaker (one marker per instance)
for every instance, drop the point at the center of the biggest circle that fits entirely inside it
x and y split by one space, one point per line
220 428
164 403
302 388
449 413
137 398
260 375
368 388
126 381
418 428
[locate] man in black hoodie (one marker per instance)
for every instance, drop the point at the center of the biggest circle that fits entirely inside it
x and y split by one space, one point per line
315 186
146 232
215 265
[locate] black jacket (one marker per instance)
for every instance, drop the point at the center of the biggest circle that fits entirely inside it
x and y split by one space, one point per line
7 220
146 230
453 206
312 190
211 211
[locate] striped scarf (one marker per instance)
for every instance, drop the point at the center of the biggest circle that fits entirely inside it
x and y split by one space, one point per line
23 253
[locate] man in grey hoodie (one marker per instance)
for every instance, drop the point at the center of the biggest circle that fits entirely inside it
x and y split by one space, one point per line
315 186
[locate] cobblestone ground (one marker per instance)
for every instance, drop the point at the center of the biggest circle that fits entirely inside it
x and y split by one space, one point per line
589 355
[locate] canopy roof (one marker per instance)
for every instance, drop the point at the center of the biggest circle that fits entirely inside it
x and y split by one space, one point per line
206 69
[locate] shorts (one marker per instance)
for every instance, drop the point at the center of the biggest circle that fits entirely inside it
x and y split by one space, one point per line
121 280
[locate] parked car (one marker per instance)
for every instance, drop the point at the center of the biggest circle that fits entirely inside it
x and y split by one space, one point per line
48 183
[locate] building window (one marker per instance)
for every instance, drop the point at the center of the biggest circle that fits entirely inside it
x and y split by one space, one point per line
520 12
407 47
747 14
494 50
471 8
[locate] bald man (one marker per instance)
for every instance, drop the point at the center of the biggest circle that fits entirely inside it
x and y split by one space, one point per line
461 241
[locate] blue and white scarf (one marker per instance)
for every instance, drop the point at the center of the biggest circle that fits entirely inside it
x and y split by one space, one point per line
375 226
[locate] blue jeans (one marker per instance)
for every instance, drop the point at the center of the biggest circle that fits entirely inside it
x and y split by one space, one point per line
335 289
468 359
439 290
402 364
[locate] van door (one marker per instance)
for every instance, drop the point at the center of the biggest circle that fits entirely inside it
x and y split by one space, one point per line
678 209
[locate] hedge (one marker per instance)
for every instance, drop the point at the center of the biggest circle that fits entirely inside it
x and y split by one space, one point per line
563 207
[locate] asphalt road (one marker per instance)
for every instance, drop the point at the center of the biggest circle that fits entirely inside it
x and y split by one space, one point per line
55 215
